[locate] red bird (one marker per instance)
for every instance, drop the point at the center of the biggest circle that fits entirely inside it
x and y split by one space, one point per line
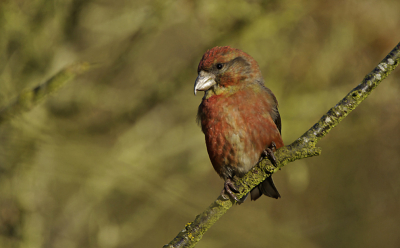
238 115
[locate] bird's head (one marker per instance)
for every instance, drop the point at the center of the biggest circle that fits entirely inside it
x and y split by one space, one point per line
226 69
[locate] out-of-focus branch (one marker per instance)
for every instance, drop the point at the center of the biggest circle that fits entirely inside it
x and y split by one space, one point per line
30 98
303 147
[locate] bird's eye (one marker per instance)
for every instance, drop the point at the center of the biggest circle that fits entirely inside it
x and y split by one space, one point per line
219 66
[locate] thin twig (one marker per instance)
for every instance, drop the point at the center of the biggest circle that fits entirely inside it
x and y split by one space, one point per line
30 98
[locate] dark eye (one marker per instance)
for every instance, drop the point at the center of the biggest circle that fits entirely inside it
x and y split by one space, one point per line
219 66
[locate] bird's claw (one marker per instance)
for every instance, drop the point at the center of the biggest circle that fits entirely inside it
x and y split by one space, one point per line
230 189
268 152
273 146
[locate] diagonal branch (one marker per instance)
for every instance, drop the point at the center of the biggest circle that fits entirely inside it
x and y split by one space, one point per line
30 98
303 147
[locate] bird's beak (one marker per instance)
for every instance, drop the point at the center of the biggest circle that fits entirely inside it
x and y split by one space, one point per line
204 81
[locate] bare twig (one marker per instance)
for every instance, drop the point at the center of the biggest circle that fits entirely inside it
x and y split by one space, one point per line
30 98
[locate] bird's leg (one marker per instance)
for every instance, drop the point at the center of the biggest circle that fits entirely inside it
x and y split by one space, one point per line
270 154
273 146
230 189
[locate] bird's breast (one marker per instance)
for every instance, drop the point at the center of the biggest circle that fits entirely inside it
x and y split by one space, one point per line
237 129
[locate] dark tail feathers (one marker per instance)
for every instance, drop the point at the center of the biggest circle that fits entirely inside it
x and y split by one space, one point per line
267 187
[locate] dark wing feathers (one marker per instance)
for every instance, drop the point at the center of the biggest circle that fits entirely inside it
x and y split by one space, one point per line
277 121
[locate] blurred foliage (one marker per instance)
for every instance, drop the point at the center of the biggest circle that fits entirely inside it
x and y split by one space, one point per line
115 158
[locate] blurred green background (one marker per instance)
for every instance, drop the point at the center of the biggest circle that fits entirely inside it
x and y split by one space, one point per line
115 158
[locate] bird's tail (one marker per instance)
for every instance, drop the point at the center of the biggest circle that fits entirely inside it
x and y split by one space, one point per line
267 187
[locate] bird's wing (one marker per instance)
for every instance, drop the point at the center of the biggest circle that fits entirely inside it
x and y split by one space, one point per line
277 121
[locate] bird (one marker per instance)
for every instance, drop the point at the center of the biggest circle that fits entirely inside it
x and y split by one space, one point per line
239 117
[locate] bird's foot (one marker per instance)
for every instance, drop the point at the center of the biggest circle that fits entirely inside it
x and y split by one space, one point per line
230 189
269 153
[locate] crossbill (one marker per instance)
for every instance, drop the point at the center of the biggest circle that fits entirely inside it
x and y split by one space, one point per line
238 116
